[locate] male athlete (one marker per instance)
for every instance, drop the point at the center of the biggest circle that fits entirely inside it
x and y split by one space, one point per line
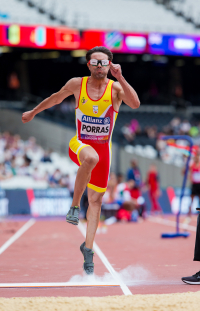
97 104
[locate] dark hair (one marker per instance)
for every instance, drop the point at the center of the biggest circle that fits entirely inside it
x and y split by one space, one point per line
101 49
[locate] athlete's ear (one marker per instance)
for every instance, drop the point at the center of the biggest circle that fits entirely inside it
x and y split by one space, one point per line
88 66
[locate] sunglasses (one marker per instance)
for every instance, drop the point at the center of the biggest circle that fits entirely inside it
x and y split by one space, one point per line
96 62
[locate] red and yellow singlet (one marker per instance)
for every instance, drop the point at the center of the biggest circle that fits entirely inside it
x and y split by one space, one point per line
95 120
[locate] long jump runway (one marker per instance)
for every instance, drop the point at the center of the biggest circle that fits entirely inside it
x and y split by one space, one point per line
41 257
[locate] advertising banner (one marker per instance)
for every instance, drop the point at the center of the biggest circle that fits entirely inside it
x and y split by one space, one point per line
47 202
167 44
174 195
39 37
3 203
115 41
64 38
57 201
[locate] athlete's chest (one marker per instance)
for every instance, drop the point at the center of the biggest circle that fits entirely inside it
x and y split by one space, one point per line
95 104
94 93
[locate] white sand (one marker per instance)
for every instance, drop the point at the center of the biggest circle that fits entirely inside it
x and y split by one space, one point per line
166 302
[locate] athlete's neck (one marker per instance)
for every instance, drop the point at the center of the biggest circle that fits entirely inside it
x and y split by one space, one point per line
97 82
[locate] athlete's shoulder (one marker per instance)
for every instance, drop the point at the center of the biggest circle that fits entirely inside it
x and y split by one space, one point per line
73 84
74 81
117 86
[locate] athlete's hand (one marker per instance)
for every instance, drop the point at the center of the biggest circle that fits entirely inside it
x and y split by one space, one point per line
28 116
116 70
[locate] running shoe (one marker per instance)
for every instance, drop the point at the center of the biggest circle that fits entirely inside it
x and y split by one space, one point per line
88 254
73 215
194 279
82 248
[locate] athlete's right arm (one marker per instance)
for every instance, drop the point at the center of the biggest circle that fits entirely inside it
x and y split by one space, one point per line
55 99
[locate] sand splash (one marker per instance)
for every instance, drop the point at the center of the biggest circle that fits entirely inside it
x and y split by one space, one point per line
132 275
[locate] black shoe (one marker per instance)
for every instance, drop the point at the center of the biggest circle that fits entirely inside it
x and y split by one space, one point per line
73 215
88 254
194 279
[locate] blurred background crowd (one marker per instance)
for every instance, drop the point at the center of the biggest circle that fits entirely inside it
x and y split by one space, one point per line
26 158
176 126
123 199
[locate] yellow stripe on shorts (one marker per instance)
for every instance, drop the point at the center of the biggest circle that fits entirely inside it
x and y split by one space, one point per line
76 146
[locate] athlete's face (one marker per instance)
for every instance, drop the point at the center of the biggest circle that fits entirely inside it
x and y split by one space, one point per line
99 72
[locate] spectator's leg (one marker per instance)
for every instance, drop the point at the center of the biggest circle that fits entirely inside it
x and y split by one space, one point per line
190 208
158 207
154 201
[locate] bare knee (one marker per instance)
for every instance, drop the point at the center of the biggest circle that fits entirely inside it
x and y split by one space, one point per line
94 208
91 160
96 200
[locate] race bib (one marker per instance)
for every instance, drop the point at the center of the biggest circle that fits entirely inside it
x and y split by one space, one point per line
95 128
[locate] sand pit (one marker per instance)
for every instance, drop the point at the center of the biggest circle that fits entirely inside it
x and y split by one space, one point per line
166 302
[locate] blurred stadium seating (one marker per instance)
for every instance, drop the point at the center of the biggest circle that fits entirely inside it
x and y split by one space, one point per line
26 165
189 10
20 12
127 15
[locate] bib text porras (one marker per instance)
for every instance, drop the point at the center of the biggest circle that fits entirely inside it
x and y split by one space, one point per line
99 127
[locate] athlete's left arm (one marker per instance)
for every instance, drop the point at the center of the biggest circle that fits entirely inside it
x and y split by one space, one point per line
125 90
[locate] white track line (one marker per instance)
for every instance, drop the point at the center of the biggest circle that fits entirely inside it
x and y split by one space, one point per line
172 223
106 263
23 229
61 284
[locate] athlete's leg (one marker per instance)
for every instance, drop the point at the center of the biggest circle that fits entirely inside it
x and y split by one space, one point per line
89 159
93 215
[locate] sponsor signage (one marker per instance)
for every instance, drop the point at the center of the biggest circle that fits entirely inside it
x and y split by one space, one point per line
186 201
57 201
39 37
95 128
49 202
44 202
168 44
64 38
3 203
116 41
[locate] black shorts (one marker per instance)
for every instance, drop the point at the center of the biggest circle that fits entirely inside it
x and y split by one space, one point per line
195 189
